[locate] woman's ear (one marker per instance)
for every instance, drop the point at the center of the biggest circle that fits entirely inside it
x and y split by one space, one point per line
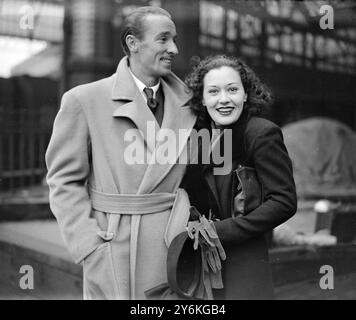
245 97
132 43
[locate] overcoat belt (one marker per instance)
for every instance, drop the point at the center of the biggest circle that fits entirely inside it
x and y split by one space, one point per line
137 205
116 216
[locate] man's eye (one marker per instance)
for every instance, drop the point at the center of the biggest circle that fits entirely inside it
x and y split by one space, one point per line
164 39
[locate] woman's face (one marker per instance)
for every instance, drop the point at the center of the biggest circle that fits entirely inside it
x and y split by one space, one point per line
223 95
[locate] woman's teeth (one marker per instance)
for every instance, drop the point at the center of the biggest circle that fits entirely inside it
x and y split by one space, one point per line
225 111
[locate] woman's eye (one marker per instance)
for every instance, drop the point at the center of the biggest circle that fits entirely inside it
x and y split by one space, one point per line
233 89
162 39
213 91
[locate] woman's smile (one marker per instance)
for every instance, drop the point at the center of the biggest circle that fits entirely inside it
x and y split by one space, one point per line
225 111
223 95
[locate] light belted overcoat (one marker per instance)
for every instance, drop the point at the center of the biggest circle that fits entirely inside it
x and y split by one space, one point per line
102 201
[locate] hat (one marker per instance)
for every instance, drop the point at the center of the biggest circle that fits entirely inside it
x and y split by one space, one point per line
186 276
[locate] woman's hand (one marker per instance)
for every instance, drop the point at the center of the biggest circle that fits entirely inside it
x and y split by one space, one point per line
203 233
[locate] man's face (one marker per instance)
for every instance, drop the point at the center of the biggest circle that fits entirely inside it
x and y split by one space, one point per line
155 51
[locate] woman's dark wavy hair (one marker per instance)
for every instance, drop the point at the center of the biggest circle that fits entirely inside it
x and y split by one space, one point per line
259 96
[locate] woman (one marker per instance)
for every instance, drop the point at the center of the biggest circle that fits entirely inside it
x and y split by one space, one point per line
228 95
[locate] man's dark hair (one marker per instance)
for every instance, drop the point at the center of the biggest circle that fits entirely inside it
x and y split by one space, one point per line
134 24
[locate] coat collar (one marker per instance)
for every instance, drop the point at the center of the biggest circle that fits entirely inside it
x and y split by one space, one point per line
124 87
238 137
238 152
175 94
135 108
175 118
238 140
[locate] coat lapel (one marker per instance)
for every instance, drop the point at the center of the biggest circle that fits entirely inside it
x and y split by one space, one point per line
238 139
133 105
175 117
208 173
210 180
238 157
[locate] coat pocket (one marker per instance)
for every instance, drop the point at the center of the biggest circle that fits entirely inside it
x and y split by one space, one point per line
99 275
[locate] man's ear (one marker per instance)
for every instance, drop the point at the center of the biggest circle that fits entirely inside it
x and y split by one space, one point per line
132 43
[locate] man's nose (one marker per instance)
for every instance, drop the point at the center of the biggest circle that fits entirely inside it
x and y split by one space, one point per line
173 49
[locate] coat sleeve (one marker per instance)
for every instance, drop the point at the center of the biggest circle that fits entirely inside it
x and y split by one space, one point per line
274 169
67 160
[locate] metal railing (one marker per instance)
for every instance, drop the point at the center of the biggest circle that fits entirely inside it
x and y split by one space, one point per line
24 134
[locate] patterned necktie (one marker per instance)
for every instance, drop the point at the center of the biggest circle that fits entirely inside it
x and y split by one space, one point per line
151 102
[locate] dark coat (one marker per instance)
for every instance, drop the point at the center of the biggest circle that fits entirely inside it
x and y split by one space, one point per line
258 143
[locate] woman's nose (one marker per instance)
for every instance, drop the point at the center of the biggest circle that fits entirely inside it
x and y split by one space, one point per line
224 97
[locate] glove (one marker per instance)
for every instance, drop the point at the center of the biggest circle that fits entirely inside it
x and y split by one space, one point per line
203 233
198 234
210 229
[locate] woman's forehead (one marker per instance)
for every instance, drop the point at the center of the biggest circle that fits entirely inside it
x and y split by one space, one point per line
223 74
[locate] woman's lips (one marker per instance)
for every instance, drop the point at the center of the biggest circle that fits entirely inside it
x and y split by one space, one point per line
225 110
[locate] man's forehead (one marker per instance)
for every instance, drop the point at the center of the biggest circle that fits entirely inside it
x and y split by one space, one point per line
159 23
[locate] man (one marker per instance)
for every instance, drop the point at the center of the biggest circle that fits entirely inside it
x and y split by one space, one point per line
117 218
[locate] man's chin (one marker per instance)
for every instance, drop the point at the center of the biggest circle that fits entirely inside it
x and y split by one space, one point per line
165 71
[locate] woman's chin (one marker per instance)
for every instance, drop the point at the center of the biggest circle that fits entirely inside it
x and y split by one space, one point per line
224 121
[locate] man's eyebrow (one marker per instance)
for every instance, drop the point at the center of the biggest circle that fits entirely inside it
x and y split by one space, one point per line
166 33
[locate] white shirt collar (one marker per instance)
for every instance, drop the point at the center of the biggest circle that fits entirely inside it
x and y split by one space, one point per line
140 85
